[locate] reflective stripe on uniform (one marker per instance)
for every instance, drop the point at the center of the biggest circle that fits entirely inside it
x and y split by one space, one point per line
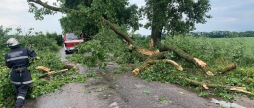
21 97
18 83
13 82
16 58
27 82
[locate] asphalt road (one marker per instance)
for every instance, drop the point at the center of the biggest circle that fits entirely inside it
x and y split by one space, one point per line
124 91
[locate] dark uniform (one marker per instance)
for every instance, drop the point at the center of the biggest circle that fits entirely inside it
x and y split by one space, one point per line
17 59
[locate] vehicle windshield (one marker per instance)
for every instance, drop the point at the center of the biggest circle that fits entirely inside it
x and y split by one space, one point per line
71 37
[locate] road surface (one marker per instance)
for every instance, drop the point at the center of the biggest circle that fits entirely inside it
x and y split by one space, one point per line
125 91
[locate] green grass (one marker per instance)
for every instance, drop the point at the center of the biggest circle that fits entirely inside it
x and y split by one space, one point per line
248 41
217 53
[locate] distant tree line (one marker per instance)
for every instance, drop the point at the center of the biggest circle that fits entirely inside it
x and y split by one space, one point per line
223 34
213 34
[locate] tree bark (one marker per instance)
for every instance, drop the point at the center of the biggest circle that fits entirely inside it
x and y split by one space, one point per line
151 44
149 61
69 66
157 27
187 57
155 37
147 64
45 5
43 68
52 73
124 36
66 68
228 68
207 86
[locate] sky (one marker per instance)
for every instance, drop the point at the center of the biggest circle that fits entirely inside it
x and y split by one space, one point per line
231 15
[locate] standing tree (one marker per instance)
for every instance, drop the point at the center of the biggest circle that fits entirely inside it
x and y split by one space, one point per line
174 16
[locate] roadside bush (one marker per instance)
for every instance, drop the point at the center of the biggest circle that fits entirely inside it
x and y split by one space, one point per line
58 38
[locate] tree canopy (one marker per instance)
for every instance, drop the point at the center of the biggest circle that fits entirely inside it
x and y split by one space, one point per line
174 16
84 15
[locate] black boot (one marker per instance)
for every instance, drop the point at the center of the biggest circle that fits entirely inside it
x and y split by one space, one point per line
19 103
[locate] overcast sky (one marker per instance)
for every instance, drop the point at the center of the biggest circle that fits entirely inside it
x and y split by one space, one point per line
231 15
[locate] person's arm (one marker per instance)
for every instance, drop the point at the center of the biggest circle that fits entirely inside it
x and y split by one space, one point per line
31 53
7 63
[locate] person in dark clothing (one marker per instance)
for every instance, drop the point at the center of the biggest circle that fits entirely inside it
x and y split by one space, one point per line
17 59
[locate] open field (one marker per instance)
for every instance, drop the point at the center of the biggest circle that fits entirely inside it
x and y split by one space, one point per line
248 41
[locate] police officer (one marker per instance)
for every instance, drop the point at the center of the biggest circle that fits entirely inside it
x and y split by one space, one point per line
17 59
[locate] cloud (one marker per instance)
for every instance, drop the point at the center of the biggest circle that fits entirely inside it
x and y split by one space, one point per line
14 13
139 3
227 15
141 30
51 1
13 5
7 21
230 19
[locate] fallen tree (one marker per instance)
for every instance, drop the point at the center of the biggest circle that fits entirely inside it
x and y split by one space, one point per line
127 38
159 55
154 55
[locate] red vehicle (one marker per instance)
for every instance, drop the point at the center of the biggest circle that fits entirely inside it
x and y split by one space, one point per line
71 40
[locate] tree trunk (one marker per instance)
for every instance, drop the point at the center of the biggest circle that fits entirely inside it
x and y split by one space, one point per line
151 44
125 36
156 28
156 37
187 57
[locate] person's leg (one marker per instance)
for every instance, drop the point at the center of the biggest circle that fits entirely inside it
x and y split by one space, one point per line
22 91
17 89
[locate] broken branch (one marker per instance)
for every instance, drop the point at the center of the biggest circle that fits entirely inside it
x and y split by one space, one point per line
228 68
148 63
207 86
201 64
53 72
